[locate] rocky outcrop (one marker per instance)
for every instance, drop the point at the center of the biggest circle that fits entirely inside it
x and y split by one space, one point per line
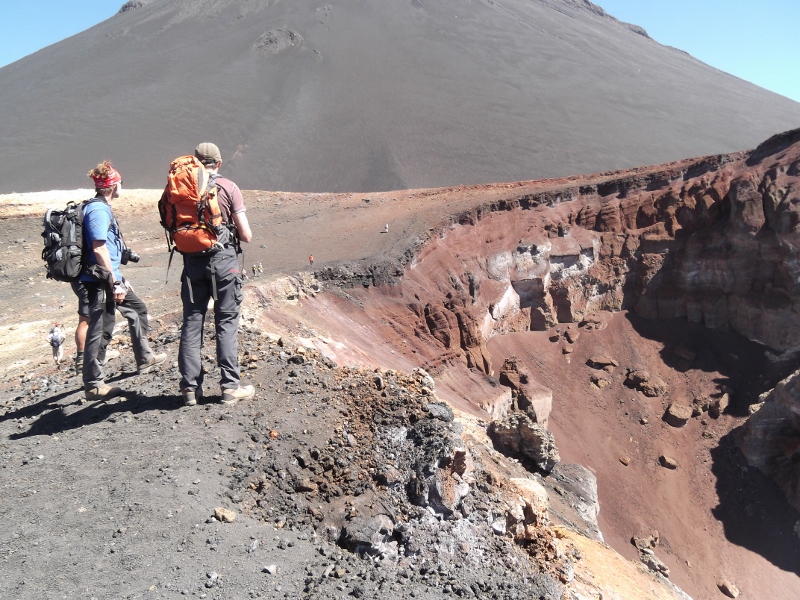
517 435
453 326
132 5
443 469
528 396
646 544
678 414
771 438
650 386
277 41
575 489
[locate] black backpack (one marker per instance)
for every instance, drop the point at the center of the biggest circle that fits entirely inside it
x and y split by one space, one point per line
63 242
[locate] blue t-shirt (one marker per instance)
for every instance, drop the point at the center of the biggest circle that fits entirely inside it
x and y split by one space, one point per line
99 224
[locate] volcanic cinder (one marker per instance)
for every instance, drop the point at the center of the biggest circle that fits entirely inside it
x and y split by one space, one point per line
369 95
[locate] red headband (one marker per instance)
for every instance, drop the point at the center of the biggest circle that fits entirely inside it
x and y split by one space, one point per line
109 180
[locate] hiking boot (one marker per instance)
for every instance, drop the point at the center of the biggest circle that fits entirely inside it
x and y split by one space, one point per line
102 392
190 396
110 355
155 360
233 395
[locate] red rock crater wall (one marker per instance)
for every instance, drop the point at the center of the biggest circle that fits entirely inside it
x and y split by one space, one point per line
713 239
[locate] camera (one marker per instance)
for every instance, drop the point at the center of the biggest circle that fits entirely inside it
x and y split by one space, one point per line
129 255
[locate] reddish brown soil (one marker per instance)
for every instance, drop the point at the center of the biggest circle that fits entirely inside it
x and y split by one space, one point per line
699 508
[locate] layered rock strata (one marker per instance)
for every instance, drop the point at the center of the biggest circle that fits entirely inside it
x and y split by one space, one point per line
713 239
771 438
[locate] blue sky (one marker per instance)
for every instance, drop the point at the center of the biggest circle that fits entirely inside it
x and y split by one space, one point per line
756 40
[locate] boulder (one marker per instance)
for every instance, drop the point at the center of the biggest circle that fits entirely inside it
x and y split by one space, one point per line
370 535
646 541
719 405
305 485
653 562
678 415
667 462
636 377
642 380
602 362
728 588
224 515
390 477
701 404
519 436
378 380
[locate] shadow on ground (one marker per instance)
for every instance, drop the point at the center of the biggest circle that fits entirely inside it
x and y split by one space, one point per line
752 509
61 419
747 368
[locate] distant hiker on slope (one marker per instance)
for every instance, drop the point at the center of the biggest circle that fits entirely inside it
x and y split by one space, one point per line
56 338
105 286
211 273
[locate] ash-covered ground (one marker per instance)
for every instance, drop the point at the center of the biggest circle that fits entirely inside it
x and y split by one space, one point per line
341 483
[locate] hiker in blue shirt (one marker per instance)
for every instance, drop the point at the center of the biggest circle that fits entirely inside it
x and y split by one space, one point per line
106 288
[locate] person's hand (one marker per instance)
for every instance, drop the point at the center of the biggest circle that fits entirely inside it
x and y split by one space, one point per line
119 291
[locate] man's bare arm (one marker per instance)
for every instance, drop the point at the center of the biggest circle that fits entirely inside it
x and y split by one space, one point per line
242 226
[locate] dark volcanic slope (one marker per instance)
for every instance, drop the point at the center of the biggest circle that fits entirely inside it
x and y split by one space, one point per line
368 95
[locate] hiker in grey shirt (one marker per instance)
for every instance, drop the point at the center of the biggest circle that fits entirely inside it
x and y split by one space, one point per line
215 276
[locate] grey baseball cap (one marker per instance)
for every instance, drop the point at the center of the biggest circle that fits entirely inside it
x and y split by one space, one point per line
207 152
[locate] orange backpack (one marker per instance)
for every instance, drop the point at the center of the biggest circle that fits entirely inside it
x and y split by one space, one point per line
189 209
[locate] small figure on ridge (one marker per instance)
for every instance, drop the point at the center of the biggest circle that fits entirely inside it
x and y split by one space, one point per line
56 339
